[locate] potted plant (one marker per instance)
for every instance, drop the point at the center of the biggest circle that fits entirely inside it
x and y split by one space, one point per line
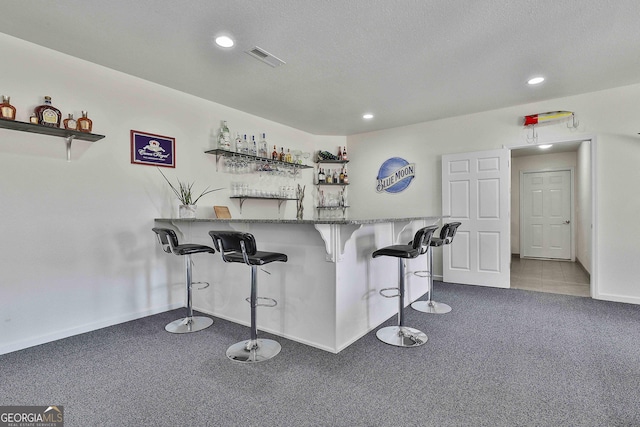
187 197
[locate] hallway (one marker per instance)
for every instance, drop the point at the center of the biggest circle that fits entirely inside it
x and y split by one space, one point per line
558 277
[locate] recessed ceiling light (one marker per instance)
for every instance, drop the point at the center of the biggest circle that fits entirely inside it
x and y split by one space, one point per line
367 116
224 41
535 80
545 146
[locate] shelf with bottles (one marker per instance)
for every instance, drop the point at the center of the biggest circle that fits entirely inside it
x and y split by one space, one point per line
332 161
256 160
68 134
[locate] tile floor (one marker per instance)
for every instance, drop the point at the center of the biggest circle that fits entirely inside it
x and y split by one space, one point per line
559 277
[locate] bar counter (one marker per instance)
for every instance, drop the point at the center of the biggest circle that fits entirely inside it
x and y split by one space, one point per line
327 291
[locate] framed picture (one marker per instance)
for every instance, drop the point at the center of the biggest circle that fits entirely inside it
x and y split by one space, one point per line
153 150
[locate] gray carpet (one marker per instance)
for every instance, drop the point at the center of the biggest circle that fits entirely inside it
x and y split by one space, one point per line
500 358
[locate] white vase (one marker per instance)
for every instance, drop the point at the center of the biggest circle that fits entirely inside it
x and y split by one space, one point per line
187 211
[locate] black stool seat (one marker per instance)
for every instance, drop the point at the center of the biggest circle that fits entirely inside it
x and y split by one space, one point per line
169 242
401 335
241 247
398 251
190 248
259 258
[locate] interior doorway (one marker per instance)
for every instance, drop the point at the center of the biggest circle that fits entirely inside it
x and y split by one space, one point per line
536 271
546 214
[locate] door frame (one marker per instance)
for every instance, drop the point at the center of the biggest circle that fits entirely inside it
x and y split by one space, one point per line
595 291
572 240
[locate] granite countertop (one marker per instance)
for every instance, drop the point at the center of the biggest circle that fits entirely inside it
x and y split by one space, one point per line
304 221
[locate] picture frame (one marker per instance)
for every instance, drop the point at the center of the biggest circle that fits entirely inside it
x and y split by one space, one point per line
150 149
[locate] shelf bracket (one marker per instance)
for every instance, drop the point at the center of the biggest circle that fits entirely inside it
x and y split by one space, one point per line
241 203
69 140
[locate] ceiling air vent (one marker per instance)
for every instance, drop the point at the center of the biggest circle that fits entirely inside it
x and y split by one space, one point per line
265 57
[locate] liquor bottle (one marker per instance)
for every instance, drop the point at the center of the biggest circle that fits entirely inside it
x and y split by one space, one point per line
335 177
274 154
346 176
7 111
245 144
329 177
70 123
288 157
224 138
47 114
339 153
344 154
281 156
238 143
33 119
263 147
320 176
84 123
341 177
253 147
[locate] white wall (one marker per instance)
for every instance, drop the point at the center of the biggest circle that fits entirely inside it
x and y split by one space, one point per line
609 116
78 252
528 164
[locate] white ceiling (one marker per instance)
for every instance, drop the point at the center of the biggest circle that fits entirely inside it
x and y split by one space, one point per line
406 61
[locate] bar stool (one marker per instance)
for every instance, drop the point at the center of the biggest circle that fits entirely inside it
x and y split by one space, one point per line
169 242
401 335
447 232
241 247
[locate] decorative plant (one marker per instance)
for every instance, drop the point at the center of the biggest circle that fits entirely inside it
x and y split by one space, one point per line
184 192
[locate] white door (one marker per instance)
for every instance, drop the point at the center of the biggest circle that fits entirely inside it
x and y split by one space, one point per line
476 192
545 214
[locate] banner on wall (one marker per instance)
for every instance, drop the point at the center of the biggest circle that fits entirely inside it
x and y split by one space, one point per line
395 175
151 149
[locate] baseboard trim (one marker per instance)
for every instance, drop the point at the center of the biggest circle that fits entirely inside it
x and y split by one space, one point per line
89 327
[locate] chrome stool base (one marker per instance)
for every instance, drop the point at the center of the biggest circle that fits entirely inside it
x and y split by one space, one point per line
401 336
189 324
431 307
261 350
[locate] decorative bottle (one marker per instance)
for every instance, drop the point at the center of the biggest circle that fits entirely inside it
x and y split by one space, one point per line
70 123
339 153
238 143
7 111
224 138
254 146
346 176
274 154
344 154
282 156
264 150
84 123
47 114
341 177
245 144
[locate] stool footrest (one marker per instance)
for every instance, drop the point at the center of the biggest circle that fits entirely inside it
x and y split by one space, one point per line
422 273
272 304
383 290
207 284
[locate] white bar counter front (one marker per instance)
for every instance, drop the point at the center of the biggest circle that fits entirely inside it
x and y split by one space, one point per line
328 290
